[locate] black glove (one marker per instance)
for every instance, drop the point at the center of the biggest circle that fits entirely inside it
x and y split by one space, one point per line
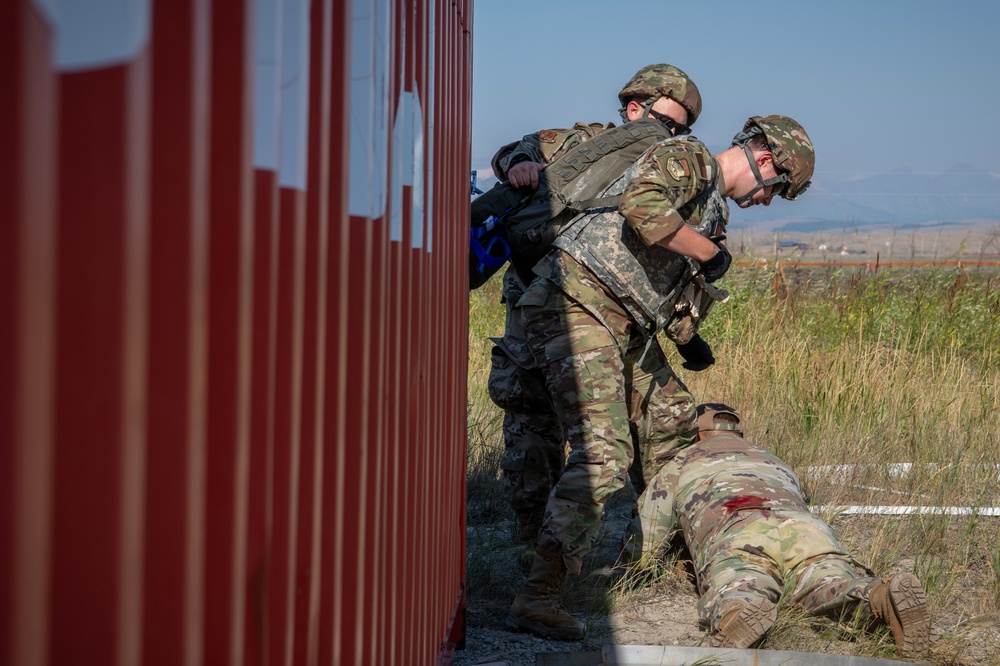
714 268
697 354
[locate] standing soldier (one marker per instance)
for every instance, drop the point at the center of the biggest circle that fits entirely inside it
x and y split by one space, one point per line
533 437
591 315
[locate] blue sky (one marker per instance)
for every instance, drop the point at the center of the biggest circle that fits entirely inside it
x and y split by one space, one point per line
878 84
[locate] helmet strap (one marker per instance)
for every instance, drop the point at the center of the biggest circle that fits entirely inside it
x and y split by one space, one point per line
623 112
743 140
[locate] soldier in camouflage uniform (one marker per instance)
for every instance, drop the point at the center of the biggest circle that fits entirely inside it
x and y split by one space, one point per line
752 538
533 437
591 314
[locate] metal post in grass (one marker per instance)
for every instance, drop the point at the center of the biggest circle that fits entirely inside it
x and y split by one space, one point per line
780 283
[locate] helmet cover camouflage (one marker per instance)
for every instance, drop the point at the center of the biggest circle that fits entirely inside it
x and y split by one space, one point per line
707 421
791 148
654 81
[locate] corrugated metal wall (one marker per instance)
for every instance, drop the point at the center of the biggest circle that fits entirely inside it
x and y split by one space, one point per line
233 338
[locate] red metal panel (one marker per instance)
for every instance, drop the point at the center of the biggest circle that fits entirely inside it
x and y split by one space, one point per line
354 352
28 120
100 353
234 429
308 572
178 260
336 404
333 371
287 442
229 330
397 304
262 401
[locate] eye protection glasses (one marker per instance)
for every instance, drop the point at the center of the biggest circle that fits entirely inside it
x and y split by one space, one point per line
678 129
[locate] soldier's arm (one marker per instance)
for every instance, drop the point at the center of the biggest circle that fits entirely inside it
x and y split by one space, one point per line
660 202
512 154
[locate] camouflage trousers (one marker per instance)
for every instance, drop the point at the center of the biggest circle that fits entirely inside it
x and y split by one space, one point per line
597 387
534 445
783 553
741 512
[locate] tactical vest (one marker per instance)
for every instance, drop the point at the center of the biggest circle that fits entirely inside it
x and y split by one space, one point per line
571 184
648 280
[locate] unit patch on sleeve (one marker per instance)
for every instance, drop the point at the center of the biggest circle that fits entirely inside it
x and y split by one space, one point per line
678 168
547 136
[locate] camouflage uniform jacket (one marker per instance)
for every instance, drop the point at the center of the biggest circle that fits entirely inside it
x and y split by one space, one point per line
675 182
724 475
543 147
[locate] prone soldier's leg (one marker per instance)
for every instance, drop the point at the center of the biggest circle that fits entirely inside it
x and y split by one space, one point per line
739 568
828 581
832 583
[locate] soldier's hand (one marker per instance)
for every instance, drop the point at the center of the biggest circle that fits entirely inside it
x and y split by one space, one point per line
525 174
697 354
714 268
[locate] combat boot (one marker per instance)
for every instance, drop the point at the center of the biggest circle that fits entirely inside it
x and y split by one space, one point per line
899 601
745 624
538 605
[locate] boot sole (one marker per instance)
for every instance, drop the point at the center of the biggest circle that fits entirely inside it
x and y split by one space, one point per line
522 624
910 617
748 627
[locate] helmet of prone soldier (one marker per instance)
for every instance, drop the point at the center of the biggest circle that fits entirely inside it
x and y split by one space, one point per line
717 416
789 145
655 81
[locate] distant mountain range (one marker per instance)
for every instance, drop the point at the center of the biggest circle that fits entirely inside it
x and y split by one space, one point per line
963 194
900 198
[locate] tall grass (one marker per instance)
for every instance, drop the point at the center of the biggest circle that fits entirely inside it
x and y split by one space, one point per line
485 437
841 367
866 369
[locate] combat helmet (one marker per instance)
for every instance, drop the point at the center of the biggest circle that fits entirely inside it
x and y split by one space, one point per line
791 149
662 80
717 416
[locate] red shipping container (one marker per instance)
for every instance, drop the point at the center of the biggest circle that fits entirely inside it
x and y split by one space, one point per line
234 339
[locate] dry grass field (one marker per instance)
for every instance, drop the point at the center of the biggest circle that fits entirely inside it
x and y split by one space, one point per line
836 367
855 242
